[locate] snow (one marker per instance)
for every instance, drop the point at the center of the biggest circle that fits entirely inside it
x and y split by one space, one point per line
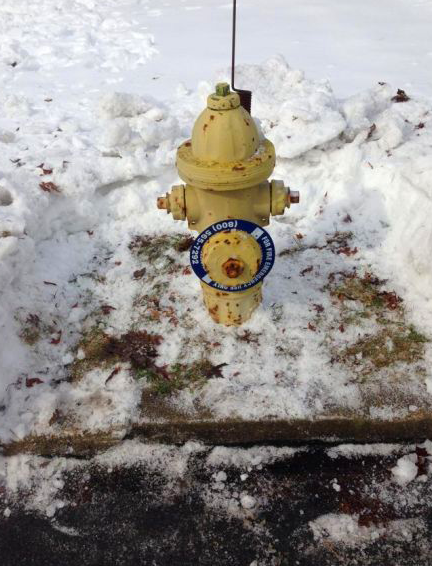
345 529
247 502
82 108
248 458
405 470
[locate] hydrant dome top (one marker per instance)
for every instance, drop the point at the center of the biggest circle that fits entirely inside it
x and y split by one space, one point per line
224 131
226 152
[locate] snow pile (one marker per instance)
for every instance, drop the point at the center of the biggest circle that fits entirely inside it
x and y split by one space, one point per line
80 170
345 529
85 37
296 114
38 480
413 465
405 470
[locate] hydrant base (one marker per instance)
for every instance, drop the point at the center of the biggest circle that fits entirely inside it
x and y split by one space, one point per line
231 308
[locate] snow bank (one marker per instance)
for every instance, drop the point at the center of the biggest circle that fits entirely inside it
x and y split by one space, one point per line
296 114
78 180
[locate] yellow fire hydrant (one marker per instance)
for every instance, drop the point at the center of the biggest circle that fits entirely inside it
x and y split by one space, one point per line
227 198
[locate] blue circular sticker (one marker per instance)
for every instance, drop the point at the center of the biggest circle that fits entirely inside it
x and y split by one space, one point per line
262 238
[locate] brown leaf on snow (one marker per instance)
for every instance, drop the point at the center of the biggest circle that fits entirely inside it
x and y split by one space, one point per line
306 270
45 170
318 308
401 96
371 131
391 299
56 417
106 309
30 381
33 319
347 219
58 339
311 327
49 187
139 273
346 250
112 374
249 337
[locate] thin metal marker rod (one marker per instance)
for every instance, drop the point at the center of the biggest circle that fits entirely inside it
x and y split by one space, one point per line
233 42
245 95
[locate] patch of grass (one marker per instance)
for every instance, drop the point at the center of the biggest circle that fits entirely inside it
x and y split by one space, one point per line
153 248
94 344
367 290
139 349
415 336
104 351
30 335
391 345
154 311
180 376
337 243
395 341
33 328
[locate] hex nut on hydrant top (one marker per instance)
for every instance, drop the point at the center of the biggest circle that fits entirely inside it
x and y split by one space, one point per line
228 199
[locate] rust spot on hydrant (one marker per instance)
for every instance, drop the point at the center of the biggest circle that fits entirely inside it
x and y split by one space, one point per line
233 268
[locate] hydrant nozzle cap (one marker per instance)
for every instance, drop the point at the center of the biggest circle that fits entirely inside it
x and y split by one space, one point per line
222 89
223 98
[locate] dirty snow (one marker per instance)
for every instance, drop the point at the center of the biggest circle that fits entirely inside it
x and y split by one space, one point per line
373 508
344 529
87 148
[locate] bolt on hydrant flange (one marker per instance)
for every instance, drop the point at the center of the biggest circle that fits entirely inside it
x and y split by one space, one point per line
228 198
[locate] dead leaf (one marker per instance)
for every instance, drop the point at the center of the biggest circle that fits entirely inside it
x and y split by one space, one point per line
58 339
112 374
139 273
106 309
346 250
401 96
371 131
306 270
49 187
30 381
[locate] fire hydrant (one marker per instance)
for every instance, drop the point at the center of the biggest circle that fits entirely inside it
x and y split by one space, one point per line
228 199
